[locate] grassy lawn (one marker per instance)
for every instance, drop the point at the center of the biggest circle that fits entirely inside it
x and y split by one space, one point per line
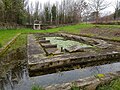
7 35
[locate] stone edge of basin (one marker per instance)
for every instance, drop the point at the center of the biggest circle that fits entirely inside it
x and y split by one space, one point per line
5 47
89 83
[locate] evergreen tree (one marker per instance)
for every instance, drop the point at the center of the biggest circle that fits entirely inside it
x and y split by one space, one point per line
47 15
117 10
54 14
13 11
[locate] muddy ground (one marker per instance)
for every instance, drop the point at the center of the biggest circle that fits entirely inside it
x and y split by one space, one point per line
102 32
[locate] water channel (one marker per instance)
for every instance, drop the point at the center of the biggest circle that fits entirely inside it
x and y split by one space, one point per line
66 76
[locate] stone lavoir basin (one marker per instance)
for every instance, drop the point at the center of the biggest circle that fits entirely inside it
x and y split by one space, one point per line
63 52
60 58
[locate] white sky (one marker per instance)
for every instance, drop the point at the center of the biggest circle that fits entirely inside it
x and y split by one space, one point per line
106 11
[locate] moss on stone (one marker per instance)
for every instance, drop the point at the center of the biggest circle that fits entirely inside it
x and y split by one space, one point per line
100 76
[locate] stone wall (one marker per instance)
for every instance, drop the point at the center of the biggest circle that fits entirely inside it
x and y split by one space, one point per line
61 61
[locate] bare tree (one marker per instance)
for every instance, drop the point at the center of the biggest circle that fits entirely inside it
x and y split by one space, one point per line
71 11
36 13
29 15
117 10
86 14
80 7
97 6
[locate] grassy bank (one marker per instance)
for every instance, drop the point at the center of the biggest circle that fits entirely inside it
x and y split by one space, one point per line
20 42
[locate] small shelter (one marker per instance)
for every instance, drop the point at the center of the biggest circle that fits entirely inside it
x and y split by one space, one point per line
37 25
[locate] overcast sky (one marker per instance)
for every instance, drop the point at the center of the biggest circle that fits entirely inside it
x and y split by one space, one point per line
108 10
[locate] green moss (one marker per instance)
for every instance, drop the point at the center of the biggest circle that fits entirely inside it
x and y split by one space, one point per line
100 76
61 42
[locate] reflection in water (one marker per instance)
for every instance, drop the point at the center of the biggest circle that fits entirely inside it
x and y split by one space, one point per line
8 82
68 76
13 68
25 74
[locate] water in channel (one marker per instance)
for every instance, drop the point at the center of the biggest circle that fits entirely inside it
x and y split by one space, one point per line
67 76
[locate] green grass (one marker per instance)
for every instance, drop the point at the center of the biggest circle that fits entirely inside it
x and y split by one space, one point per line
20 42
75 88
7 35
114 85
37 88
76 28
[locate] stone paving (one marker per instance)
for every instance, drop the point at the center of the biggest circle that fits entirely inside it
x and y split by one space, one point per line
33 48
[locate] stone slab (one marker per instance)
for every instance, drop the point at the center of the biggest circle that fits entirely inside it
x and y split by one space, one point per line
33 47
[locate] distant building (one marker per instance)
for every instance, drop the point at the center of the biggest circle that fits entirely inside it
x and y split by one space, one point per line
37 25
